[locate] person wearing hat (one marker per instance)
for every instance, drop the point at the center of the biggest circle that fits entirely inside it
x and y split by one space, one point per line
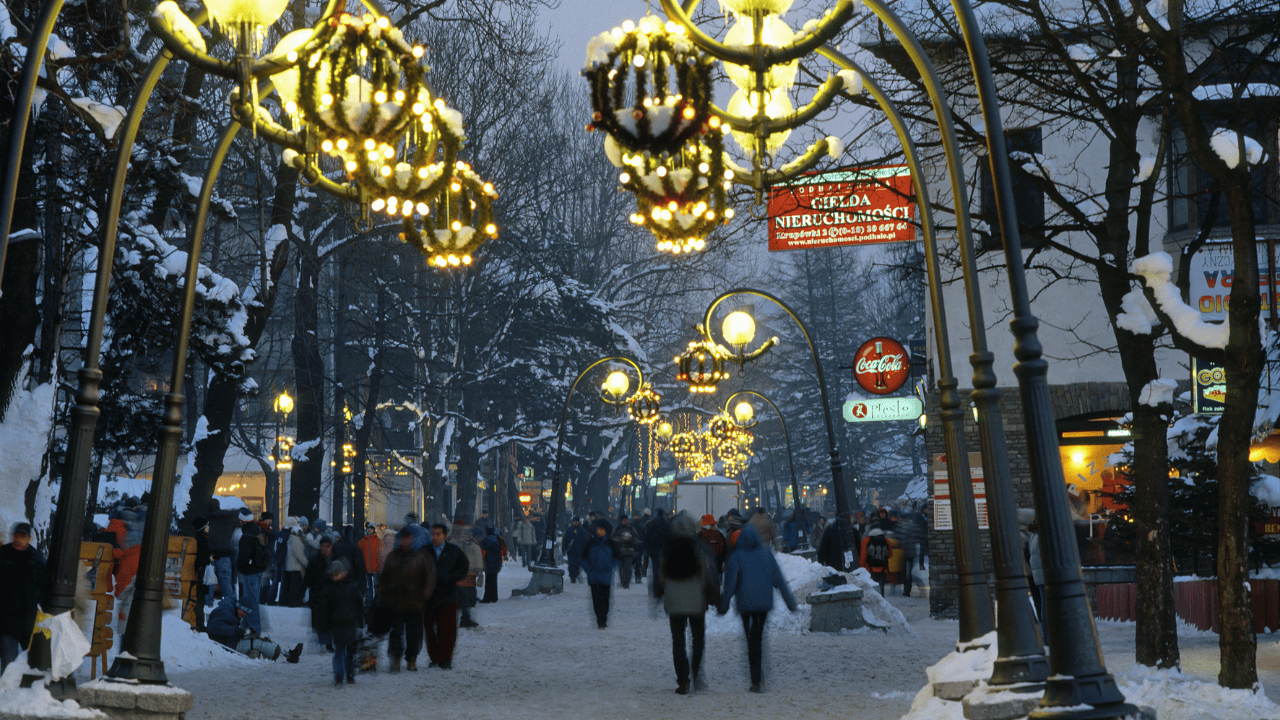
341 615
574 541
492 548
227 623
253 557
21 577
627 539
750 577
204 558
710 534
408 579
371 552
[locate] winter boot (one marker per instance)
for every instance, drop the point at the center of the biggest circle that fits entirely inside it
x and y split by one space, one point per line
293 655
412 666
682 688
395 665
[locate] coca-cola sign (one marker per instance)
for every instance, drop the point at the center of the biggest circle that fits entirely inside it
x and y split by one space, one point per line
881 366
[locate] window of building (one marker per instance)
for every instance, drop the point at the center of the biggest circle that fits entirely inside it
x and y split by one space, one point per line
1028 199
1191 188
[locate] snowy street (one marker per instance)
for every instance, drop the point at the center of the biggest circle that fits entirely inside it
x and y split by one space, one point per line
544 657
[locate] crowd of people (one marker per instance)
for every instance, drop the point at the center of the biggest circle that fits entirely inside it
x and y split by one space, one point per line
417 584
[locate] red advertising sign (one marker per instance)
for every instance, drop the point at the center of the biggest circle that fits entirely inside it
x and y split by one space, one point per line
881 365
844 207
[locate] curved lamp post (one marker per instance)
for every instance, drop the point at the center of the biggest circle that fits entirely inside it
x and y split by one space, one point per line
739 330
743 414
613 391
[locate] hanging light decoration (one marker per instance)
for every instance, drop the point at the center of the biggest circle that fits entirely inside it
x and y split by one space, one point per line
679 197
454 225
650 87
701 366
645 405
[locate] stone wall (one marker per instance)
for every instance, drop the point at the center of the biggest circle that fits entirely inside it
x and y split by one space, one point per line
1068 400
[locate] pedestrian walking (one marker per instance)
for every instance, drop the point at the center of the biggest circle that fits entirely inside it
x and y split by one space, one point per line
467 587
750 576
687 582
441 617
574 542
710 534
407 582
640 562
656 532
876 554
601 557
341 617
317 577
525 539
491 547
626 539
22 570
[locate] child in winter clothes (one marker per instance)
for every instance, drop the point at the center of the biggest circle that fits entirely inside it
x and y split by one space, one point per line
600 558
751 574
341 615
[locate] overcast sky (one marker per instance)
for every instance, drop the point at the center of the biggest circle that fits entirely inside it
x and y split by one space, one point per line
577 21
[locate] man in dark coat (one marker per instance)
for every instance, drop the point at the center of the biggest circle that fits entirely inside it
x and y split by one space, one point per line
575 539
341 615
227 624
641 561
253 557
345 549
492 548
441 616
316 577
627 539
21 575
408 580
222 528
601 558
656 532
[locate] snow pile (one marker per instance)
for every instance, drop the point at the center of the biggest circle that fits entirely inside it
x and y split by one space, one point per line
803 577
1226 144
1178 696
974 664
34 701
1155 270
183 649
24 435
1158 392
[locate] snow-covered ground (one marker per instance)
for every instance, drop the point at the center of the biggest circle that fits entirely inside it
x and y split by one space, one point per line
544 657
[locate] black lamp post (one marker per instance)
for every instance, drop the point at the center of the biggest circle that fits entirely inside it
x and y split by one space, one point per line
744 418
614 390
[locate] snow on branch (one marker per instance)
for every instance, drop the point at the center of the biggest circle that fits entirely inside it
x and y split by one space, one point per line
1136 315
1158 392
1155 270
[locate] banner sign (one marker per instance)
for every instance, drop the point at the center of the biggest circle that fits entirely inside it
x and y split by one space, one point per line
1212 271
906 408
845 207
1208 387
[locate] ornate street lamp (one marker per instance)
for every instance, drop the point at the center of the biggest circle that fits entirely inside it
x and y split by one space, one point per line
744 414
547 578
701 366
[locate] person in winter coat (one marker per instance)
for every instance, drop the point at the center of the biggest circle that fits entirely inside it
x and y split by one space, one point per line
200 528
317 577
750 575
525 539
124 570
907 532
601 557
491 546
341 612
346 549
656 532
370 547
421 535
796 529
765 527
441 617
710 534
626 539
252 559
295 565
227 623
733 523
815 533
641 561
875 555
270 579
687 582
574 542
222 528
408 579
829 552
21 577
470 543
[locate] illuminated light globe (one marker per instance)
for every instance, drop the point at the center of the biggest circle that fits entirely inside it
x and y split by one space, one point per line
664 431
747 7
721 428
456 224
252 16
615 386
739 329
774 33
645 406
701 366
650 86
744 105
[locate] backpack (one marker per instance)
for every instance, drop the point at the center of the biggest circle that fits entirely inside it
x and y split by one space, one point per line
261 558
878 552
715 540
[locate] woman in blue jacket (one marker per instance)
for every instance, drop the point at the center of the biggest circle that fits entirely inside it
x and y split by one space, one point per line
600 556
750 575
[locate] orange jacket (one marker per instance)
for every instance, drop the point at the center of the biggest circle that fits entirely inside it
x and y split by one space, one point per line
371 548
126 560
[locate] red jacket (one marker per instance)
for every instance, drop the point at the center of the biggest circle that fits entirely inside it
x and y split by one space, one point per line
126 560
371 548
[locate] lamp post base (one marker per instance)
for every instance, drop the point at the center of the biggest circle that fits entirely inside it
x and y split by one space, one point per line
545 581
136 701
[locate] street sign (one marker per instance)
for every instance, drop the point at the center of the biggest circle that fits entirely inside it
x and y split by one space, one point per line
857 206
880 366
879 409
